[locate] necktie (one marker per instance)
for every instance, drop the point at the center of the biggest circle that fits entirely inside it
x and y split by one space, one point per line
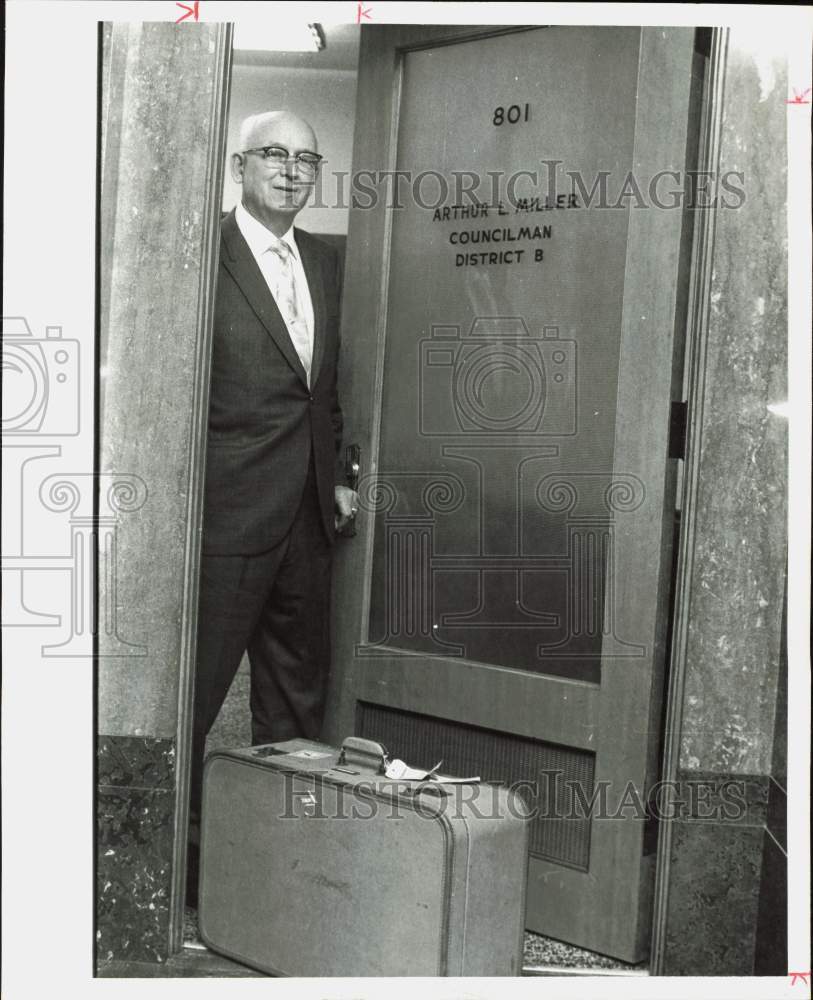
289 307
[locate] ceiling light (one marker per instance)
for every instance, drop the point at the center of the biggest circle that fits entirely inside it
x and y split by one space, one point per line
267 36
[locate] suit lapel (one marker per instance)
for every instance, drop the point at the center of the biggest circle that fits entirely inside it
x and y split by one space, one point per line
240 263
312 268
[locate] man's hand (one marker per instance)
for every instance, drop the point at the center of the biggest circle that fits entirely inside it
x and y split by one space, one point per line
346 505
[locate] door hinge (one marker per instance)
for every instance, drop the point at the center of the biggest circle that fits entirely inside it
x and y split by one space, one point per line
652 820
678 421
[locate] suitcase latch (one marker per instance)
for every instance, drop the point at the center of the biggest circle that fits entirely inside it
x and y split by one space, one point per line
307 802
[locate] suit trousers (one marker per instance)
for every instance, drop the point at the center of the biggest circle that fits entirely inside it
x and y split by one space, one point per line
275 606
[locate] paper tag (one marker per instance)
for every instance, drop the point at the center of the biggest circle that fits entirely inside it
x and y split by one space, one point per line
399 771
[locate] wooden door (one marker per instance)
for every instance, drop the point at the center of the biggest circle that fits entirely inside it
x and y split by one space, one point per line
511 348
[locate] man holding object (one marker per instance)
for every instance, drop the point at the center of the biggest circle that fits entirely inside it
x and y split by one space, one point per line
272 504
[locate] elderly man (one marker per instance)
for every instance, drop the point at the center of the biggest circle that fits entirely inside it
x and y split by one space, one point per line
272 504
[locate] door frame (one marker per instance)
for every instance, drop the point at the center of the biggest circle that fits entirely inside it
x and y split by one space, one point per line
196 468
700 278
697 326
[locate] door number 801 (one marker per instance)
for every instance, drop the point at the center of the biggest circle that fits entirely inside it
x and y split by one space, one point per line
511 115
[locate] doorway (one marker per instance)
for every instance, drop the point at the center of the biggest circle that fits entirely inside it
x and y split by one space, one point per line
497 627
320 87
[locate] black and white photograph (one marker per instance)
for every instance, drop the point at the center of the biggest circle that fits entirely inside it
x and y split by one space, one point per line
406 508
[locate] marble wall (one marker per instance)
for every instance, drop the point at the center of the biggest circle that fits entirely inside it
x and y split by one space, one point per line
735 607
164 84
736 592
135 808
164 97
772 927
714 880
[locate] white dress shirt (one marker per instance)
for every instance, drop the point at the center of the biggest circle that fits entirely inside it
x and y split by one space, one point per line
260 241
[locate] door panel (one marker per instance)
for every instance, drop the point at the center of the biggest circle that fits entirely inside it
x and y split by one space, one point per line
503 604
482 425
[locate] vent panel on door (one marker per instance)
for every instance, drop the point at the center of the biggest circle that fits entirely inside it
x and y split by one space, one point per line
557 779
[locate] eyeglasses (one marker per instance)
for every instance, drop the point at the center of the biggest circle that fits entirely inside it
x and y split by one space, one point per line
278 156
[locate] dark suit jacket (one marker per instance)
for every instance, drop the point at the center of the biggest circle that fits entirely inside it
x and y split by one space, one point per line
264 423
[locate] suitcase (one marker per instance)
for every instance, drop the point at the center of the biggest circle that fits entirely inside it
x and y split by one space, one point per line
314 863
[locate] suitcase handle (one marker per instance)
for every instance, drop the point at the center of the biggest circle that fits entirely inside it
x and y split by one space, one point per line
366 753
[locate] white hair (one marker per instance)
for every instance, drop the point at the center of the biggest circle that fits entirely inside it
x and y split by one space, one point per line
251 124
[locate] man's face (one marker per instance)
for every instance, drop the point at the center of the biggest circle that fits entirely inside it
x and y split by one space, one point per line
271 188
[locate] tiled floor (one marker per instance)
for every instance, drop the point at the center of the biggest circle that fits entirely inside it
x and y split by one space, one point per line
557 958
